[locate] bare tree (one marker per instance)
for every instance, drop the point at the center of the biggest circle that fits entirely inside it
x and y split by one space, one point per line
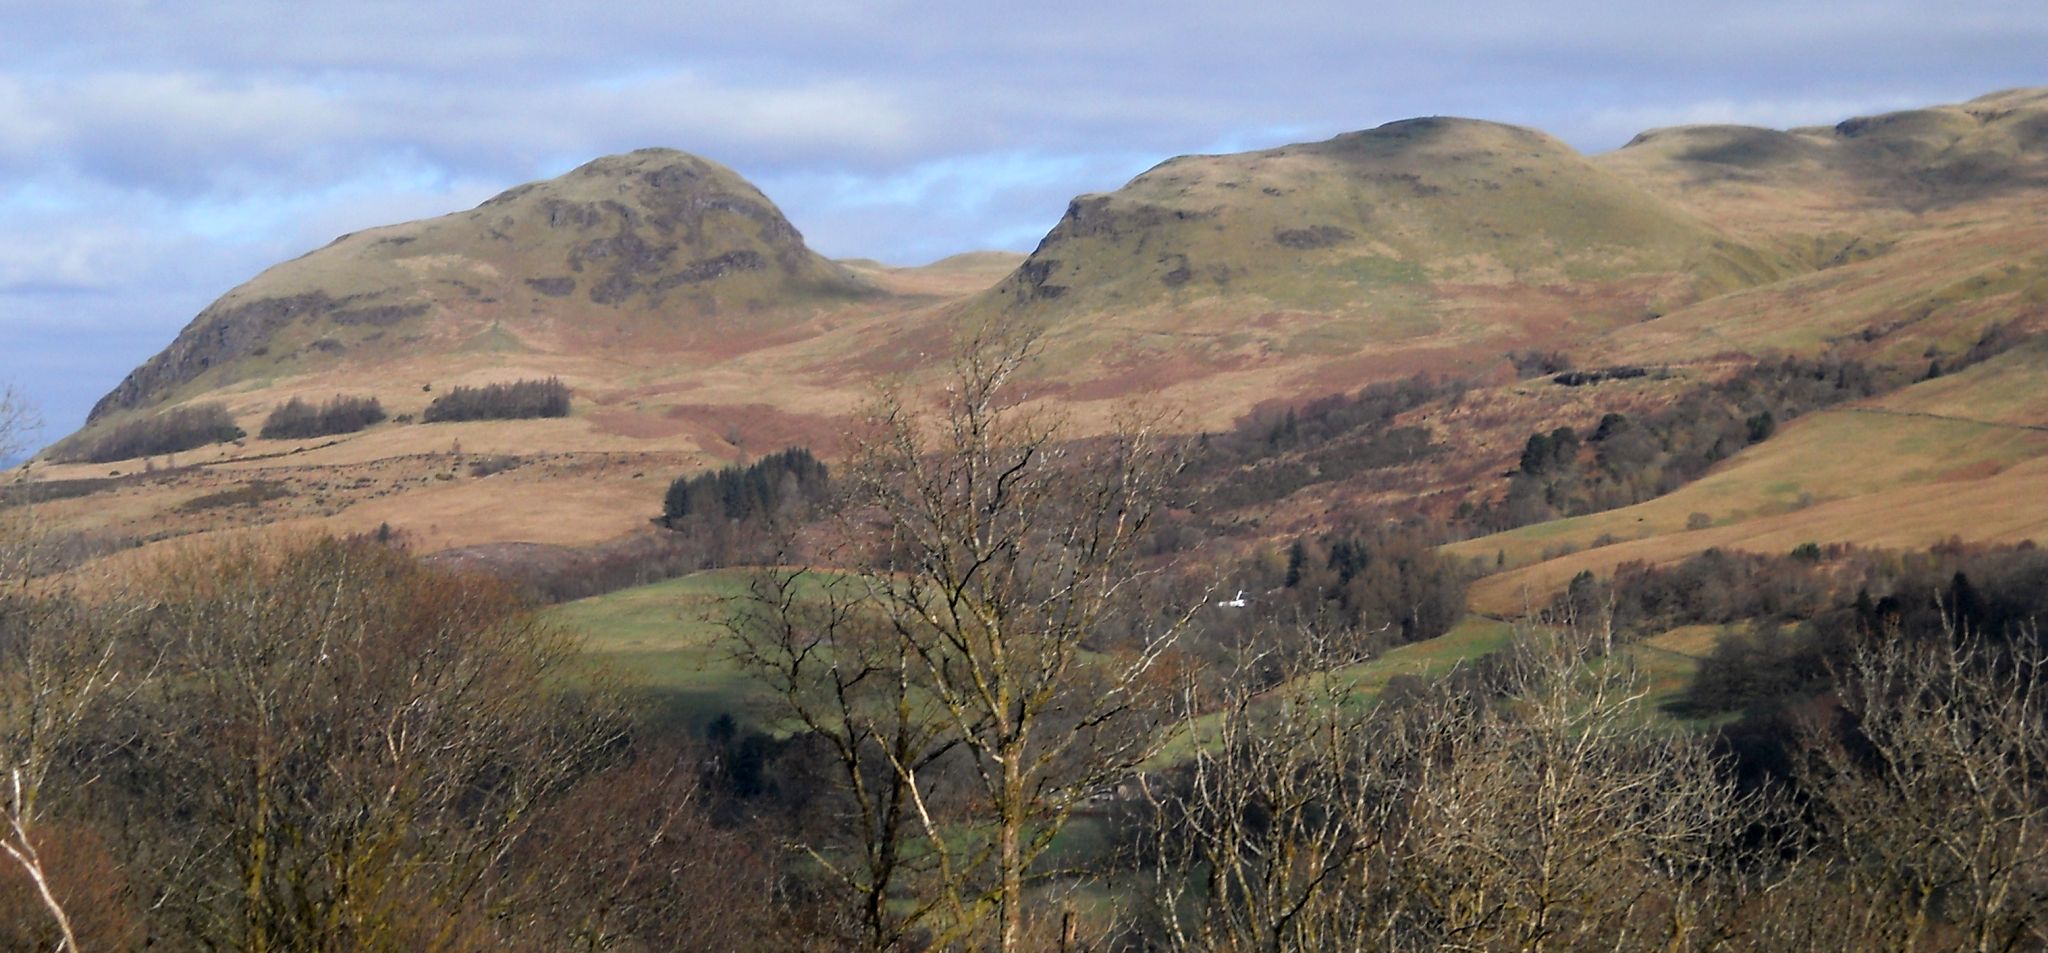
1540 811
54 668
812 636
17 423
1934 804
1002 550
1564 819
631 860
344 749
1274 833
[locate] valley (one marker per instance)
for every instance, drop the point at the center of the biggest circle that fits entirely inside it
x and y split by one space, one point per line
1513 457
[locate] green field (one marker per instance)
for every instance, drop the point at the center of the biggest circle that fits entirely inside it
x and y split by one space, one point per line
1430 658
664 642
1668 660
1475 636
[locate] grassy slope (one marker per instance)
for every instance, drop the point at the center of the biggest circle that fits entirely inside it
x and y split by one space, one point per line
1923 225
1436 200
1363 682
666 640
1889 472
663 641
1669 659
1435 243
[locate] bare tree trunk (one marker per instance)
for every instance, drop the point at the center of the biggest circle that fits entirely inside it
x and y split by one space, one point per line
20 845
1010 857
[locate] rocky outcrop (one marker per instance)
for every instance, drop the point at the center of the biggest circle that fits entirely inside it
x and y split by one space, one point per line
224 333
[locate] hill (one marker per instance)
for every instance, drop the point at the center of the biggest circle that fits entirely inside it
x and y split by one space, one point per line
1958 457
1436 243
1880 168
649 242
692 327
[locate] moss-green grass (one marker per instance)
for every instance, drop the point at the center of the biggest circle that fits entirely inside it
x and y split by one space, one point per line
1409 214
664 642
1474 637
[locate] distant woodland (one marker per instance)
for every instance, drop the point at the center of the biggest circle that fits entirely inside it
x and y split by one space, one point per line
297 419
172 431
515 400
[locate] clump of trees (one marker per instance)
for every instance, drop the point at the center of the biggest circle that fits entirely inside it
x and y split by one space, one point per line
252 493
792 479
1791 649
516 400
1795 618
1928 801
1628 459
173 431
297 419
1599 375
1388 579
1537 809
1436 818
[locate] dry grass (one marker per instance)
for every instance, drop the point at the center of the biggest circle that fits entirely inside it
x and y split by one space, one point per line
1884 473
2006 507
952 277
1692 641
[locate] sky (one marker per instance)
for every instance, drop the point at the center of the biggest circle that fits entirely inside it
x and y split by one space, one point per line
154 155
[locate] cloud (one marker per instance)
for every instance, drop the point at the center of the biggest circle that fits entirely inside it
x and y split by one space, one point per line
154 154
1005 200
187 133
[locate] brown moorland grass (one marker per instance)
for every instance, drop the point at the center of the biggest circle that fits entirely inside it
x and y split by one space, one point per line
1939 287
2007 507
1894 471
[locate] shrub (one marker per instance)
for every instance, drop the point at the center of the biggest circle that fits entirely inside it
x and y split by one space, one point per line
248 494
296 419
496 463
517 400
180 428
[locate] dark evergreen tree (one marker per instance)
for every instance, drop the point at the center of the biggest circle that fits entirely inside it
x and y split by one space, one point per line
741 493
517 400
